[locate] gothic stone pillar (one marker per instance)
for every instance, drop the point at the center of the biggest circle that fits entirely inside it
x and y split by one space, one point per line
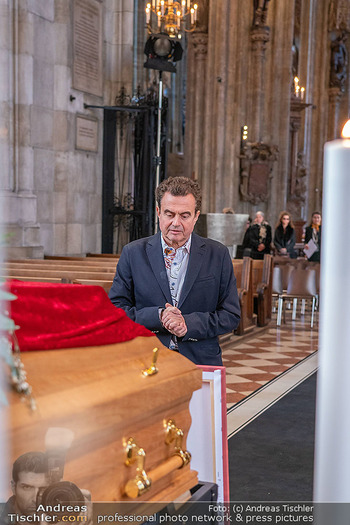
335 96
200 46
259 37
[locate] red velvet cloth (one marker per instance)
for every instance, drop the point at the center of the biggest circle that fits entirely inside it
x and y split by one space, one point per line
68 316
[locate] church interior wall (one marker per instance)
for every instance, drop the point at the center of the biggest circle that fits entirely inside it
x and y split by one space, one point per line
51 192
242 79
52 199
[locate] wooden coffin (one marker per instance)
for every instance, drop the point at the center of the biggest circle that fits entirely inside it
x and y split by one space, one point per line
102 395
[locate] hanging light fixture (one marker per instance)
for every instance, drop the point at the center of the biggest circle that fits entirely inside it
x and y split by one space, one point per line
162 51
171 17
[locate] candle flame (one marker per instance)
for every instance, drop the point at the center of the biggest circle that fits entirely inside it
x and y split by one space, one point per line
346 130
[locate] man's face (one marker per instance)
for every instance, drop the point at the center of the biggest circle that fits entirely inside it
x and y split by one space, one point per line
177 217
26 490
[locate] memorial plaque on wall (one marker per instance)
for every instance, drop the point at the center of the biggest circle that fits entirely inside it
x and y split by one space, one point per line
87 46
258 180
86 133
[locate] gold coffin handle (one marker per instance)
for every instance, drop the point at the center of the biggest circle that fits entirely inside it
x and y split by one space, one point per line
135 487
175 435
152 370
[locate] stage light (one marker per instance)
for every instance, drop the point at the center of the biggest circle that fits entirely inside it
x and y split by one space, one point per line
162 51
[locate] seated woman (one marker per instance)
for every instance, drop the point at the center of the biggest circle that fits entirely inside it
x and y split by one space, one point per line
314 232
257 238
284 239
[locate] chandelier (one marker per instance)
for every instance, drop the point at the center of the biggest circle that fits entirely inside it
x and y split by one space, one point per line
171 17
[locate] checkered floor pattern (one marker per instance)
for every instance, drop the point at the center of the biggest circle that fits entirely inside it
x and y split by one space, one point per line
260 358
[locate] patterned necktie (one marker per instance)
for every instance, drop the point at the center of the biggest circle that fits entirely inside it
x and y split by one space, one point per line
169 255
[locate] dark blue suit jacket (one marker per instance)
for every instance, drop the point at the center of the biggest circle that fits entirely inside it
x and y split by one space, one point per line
208 302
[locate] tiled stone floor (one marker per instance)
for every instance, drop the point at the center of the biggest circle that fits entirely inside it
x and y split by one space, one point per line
256 360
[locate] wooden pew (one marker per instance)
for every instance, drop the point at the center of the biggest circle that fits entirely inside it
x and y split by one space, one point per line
243 273
33 279
106 285
69 275
262 288
92 271
89 261
59 266
100 272
107 257
63 258
104 255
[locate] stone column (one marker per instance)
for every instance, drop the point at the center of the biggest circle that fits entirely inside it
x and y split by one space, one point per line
335 96
200 47
6 95
339 62
18 202
119 47
215 107
259 37
297 174
196 130
295 123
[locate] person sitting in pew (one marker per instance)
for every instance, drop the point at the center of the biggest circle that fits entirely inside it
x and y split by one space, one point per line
257 238
284 238
313 231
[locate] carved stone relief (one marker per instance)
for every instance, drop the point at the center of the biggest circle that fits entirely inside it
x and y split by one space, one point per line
256 170
300 185
339 15
339 62
200 44
260 13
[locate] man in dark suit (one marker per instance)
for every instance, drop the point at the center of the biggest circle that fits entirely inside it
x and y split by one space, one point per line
177 284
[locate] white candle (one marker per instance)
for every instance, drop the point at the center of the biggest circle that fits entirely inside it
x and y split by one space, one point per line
296 83
178 15
332 447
